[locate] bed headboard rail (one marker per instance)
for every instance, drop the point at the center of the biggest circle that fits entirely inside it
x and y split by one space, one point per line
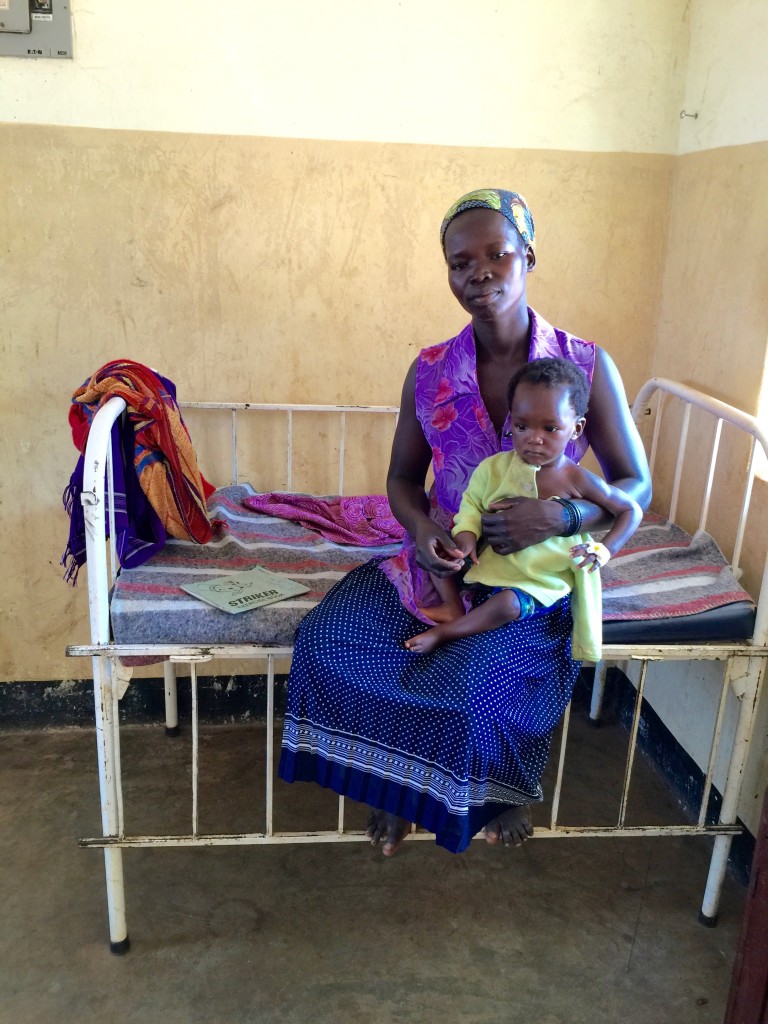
97 498
337 411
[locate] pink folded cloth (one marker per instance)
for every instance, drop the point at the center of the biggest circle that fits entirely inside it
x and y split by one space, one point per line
364 520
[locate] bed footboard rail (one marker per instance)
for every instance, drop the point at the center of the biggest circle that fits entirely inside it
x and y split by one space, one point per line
720 413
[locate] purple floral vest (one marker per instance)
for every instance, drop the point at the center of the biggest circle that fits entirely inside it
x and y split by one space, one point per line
459 431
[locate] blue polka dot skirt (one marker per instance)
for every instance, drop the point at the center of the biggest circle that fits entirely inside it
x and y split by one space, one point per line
447 739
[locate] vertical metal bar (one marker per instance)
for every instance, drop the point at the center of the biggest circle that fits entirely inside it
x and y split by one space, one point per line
113 858
744 510
714 749
234 447
656 433
118 772
289 473
753 670
598 691
195 743
111 507
270 739
105 739
342 445
341 815
560 766
171 698
679 462
710 476
632 743
760 634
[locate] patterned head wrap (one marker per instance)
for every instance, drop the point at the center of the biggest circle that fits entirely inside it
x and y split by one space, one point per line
509 204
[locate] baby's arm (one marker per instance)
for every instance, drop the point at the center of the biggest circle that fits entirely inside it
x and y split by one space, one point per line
627 516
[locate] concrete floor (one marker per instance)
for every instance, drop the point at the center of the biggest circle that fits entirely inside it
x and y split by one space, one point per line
559 932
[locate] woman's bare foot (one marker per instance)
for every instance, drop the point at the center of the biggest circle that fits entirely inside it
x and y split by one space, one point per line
512 827
388 827
448 611
426 642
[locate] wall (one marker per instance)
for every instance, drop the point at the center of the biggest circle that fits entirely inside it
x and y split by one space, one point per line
257 215
713 318
252 206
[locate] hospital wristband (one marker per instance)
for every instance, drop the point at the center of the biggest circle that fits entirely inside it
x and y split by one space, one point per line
574 516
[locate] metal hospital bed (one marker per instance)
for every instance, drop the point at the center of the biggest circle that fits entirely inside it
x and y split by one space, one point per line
667 405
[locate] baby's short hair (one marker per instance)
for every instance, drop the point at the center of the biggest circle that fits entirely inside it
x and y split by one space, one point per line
554 373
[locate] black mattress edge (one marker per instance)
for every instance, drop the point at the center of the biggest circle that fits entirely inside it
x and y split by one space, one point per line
734 621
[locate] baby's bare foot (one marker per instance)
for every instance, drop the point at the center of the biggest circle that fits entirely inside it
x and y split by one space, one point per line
425 642
446 612
388 827
512 827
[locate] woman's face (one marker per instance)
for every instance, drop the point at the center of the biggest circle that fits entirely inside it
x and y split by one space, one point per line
487 263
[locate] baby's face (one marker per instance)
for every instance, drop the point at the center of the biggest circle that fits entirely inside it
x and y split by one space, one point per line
543 422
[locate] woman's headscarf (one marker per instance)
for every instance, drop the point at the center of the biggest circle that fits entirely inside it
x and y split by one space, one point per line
509 204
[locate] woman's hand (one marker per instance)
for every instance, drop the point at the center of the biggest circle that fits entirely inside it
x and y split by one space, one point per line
436 551
516 523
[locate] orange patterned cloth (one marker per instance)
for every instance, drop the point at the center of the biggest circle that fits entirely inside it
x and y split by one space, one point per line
164 459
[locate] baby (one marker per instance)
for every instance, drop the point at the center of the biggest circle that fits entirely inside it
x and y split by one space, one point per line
547 403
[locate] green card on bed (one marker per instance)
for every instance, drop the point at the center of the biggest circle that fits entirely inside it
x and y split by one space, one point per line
242 591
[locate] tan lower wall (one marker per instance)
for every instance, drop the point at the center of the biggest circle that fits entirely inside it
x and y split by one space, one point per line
713 322
713 328
263 270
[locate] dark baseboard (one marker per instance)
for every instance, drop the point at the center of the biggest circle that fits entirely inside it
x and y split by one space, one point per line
222 700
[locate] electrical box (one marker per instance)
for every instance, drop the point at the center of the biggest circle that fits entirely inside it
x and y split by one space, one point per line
35 28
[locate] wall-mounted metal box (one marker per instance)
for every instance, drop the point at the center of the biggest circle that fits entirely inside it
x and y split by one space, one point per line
35 28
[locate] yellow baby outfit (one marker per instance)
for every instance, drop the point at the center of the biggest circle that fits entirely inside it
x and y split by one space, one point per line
546 571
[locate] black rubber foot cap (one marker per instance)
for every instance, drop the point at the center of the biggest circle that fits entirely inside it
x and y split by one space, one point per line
120 948
595 722
708 922
172 730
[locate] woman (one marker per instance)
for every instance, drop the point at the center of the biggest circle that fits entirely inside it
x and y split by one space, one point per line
455 740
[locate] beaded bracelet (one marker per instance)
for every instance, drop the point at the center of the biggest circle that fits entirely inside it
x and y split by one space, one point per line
574 516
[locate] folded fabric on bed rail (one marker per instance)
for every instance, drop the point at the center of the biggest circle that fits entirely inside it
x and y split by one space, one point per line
666 586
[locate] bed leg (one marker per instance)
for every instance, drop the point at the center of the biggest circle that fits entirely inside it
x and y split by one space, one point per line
108 755
717 866
745 675
171 699
598 693
119 943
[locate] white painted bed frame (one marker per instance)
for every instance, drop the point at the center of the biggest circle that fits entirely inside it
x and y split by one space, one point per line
745 662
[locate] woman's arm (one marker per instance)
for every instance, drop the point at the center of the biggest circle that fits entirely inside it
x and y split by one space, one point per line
613 437
519 522
411 457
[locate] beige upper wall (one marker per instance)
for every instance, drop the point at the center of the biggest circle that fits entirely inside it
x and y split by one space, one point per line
601 75
727 77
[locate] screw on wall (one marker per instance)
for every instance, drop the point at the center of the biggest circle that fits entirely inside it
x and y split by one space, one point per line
684 113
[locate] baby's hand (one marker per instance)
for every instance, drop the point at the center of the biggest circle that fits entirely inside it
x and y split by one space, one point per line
593 555
466 542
